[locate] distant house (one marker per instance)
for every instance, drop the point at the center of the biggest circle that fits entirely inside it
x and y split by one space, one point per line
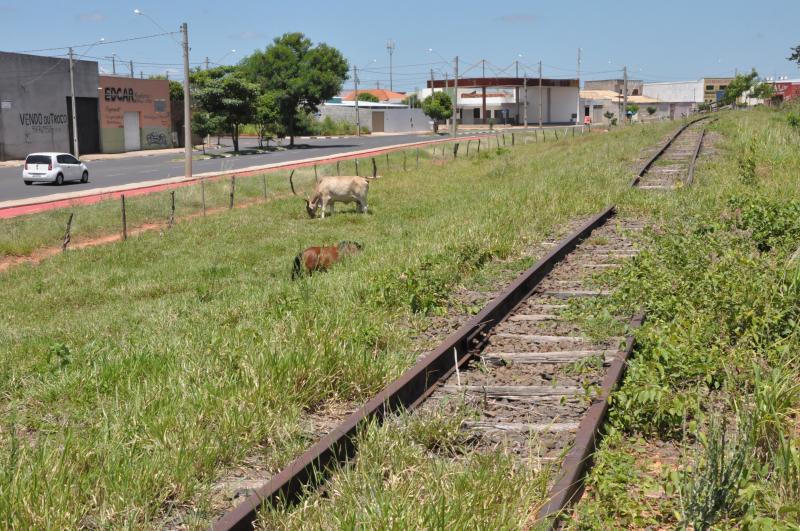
597 103
383 95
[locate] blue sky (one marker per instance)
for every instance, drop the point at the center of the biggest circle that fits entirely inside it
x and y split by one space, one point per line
659 41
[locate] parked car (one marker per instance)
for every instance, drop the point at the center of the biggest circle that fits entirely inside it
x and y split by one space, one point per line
54 168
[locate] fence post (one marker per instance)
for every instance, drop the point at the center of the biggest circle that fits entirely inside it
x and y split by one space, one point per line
264 182
337 168
374 167
468 141
171 218
417 158
479 146
455 151
233 190
356 161
203 194
67 235
497 137
316 178
388 166
124 219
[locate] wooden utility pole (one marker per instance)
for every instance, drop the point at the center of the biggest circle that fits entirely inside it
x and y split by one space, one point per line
525 85
540 94
455 98
624 93
74 116
578 109
187 106
355 95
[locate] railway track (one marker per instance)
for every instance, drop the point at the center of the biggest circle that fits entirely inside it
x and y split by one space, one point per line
514 362
539 383
673 164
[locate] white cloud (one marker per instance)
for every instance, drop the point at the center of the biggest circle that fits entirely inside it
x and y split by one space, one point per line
517 18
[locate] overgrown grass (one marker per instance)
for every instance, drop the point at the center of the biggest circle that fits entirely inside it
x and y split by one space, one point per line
715 367
133 375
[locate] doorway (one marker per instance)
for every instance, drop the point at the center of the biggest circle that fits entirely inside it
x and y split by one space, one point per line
133 141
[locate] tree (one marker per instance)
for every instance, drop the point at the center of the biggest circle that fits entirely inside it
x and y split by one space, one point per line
763 91
267 116
738 86
366 96
437 107
412 100
301 76
795 55
231 98
610 117
203 126
651 110
631 108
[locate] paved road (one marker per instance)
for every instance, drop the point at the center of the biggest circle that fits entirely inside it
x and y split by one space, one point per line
139 169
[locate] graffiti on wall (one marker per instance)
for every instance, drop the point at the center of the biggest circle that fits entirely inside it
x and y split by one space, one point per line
41 122
156 139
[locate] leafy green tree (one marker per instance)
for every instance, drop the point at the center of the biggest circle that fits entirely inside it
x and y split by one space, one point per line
651 110
610 117
267 116
738 86
437 107
302 76
231 98
763 91
795 55
412 100
631 108
366 96
203 125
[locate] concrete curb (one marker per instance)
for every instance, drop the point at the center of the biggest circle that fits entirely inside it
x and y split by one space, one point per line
19 207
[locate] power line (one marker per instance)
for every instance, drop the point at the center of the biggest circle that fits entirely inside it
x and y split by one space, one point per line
98 43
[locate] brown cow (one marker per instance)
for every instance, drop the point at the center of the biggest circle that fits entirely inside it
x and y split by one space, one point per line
321 258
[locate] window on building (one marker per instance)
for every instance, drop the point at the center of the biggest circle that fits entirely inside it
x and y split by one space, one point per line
160 105
723 87
476 113
709 87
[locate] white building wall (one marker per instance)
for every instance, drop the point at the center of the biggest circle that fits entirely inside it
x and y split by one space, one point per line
677 91
558 104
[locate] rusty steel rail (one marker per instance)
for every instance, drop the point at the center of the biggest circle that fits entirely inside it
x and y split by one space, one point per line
695 153
661 151
408 391
576 464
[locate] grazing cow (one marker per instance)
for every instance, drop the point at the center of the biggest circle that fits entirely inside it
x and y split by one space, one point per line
321 258
345 189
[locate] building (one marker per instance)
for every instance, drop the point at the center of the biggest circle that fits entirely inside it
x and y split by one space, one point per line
36 108
503 99
691 92
714 88
379 117
785 89
615 85
596 103
134 114
383 95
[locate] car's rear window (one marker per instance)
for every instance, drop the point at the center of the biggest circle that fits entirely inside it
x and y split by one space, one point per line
37 159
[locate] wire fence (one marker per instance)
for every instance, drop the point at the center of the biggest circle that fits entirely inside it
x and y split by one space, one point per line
28 237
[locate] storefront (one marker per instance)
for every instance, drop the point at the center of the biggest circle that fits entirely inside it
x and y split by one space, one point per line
134 114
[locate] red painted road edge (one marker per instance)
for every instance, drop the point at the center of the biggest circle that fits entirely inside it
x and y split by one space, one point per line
53 204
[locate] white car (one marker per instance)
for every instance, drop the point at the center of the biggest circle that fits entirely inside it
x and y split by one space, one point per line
54 168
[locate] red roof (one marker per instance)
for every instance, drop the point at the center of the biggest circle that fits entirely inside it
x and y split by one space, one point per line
381 94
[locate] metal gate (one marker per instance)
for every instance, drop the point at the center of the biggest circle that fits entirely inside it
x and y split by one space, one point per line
88 125
130 122
377 122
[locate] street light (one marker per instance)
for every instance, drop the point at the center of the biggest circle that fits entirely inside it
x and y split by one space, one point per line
224 56
187 100
455 88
